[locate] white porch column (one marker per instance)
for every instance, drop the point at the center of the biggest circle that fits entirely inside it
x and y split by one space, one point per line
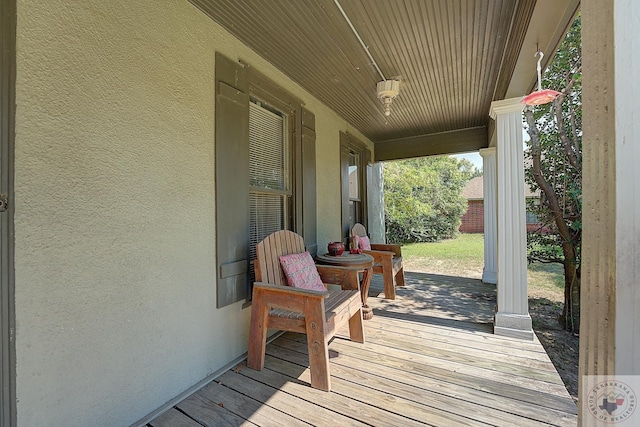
375 202
610 288
490 186
512 315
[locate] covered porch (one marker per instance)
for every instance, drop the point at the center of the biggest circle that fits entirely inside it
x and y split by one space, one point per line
430 359
120 289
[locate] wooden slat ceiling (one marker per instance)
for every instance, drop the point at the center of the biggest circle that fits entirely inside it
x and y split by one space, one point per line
453 58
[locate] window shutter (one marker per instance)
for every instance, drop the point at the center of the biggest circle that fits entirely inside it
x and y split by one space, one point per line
344 179
309 219
232 182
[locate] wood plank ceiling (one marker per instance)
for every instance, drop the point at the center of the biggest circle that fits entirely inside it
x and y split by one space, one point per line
452 57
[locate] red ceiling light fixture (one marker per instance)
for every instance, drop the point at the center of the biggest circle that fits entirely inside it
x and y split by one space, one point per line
540 96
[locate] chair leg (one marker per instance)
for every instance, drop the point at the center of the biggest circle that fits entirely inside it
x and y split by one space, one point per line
400 277
356 327
257 334
389 285
318 347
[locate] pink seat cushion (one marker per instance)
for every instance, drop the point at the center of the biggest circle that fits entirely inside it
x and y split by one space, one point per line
301 272
365 244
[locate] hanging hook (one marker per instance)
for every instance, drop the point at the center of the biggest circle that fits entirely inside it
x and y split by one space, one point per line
540 96
539 68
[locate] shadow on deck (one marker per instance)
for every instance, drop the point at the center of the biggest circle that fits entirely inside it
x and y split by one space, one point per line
430 359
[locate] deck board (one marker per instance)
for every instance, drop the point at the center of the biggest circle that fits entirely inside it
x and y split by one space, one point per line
430 358
174 418
248 408
209 413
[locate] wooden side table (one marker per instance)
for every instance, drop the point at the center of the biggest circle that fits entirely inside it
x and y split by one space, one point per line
362 262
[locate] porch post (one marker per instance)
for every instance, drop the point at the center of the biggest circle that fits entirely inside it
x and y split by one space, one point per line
375 202
512 315
489 187
610 293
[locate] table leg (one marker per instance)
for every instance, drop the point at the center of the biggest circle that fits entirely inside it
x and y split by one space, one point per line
367 312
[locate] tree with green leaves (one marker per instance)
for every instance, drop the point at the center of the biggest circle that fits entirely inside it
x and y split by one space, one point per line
423 198
555 168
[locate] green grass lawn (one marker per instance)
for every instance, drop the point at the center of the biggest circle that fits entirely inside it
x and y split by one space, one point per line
464 255
465 247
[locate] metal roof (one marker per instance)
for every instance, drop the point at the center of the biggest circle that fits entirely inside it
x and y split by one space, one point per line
453 57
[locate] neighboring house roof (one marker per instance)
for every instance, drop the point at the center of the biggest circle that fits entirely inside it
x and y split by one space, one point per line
474 190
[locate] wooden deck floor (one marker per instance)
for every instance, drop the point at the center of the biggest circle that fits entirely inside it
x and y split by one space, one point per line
430 359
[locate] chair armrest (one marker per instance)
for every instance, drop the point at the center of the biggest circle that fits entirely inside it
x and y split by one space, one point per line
346 277
380 256
397 249
286 297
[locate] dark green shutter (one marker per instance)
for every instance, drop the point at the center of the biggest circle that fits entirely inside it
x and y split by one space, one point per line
232 182
367 161
309 218
344 180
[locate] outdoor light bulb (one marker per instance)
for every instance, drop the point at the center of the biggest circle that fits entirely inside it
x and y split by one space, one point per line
387 111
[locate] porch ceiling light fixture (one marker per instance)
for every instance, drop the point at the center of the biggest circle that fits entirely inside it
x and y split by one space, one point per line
540 96
387 91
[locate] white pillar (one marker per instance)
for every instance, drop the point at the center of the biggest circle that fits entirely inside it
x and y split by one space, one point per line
512 315
375 202
490 187
627 154
609 289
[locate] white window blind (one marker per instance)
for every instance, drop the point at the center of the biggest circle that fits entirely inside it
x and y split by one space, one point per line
267 151
268 175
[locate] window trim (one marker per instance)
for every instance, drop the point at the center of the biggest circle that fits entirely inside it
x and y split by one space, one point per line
349 144
264 90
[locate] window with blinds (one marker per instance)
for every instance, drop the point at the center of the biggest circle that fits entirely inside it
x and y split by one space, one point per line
269 160
355 188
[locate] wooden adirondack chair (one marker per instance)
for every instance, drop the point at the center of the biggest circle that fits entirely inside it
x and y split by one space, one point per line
388 262
317 314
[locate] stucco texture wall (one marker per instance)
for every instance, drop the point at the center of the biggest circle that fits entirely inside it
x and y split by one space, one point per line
115 207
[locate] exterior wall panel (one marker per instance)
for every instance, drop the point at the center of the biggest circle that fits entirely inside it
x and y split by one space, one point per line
115 207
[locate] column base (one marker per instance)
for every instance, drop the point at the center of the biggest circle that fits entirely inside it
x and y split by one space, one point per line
490 277
513 325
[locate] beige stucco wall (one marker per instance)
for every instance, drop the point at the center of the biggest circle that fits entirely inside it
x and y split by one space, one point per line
114 211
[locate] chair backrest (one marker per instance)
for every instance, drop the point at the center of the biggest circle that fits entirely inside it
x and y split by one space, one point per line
268 252
359 230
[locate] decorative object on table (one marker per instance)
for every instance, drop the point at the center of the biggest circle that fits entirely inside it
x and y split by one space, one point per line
354 244
335 248
388 261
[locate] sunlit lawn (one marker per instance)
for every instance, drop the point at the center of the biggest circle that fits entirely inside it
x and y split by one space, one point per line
464 256
466 247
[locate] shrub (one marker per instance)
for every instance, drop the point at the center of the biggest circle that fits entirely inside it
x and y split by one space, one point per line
423 198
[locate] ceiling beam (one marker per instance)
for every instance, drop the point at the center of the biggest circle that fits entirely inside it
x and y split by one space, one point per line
458 141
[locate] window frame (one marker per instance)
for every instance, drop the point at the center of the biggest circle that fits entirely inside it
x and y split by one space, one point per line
286 193
351 145
264 91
